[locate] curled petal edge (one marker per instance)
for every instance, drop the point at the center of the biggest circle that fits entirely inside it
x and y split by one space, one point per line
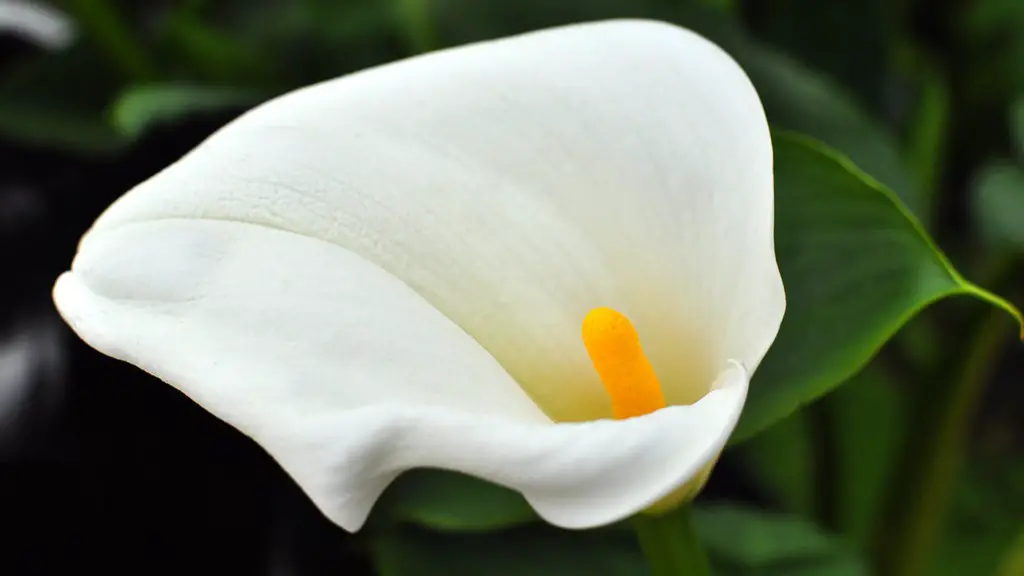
575 475
262 327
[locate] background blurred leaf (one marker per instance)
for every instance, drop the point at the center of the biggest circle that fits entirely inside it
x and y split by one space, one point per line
801 100
536 550
56 100
61 130
986 521
300 42
740 541
104 24
462 21
1017 126
200 51
141 107
751 538
999 205
869 432
856 266
865 432
1013 563
744 541
782 460
450 501
849 41
993 32
927 127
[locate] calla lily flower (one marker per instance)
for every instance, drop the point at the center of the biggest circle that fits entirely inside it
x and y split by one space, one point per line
546 261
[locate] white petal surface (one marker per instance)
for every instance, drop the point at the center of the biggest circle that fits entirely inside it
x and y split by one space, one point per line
517 184
347 377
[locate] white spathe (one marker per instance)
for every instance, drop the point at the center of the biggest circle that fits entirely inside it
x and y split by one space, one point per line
390 270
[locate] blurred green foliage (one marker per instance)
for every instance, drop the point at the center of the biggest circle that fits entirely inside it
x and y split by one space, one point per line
925 99
740 542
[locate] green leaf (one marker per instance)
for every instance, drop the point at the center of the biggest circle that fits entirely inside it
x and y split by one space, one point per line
856 266
740 541
141 107
999 206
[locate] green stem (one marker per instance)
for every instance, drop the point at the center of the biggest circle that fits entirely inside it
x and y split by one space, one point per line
670 544
917 505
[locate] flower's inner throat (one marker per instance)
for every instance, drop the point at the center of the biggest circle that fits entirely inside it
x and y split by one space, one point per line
614 348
